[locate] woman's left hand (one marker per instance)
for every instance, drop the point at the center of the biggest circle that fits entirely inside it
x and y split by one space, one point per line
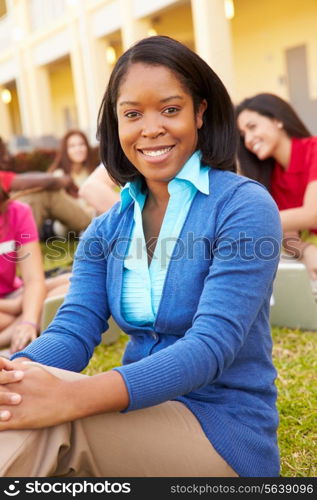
23 334
45 400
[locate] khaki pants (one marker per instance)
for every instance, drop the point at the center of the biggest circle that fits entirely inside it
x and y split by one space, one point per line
55 204
165 440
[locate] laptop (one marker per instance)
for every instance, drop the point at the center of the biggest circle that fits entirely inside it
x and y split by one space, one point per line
293 303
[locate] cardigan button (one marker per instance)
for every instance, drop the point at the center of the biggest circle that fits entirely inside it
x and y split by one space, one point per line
154 335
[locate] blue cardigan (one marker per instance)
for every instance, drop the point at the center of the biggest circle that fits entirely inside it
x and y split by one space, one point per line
210 346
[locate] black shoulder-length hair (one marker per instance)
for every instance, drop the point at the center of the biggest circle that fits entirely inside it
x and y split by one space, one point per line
217 138
275 108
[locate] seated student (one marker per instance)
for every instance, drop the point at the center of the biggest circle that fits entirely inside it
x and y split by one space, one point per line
178 266
45 193
98 190
74 158
278 150
21 298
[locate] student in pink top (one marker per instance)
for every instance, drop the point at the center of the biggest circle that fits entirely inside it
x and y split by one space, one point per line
21 299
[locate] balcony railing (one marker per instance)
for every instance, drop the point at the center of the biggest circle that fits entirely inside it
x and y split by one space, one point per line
43 12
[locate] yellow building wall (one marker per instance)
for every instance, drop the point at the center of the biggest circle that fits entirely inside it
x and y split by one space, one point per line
176 22
63 97
261 31
3 8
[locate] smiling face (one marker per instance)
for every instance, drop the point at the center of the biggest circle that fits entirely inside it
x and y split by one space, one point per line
262 135
158 128
77 149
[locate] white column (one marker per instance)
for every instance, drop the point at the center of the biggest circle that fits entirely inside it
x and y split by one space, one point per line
102 68
213 38
39 100
23 97
33 88
34 95
90 68
5 120
79 79
132 29
20 22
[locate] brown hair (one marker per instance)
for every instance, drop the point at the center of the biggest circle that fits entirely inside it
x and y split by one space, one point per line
5 158
4 200
62 160
4 197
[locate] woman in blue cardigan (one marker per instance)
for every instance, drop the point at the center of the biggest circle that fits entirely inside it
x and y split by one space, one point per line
184 263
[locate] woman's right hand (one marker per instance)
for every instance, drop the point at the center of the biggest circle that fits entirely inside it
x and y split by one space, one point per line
56 400
67 183
310 260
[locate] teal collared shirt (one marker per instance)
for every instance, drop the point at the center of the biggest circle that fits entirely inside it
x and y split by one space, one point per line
142 284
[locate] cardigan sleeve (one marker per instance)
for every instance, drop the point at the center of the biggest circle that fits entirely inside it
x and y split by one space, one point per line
236 288
70 339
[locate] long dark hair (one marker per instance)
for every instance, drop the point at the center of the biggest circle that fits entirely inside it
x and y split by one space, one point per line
217 138
4 197
274 107
5 157
4 200
62 160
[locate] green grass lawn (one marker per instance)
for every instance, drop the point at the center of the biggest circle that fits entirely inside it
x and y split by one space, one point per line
58 252
295 357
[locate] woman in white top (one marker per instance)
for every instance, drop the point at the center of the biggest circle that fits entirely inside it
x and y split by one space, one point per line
75 158
96 190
